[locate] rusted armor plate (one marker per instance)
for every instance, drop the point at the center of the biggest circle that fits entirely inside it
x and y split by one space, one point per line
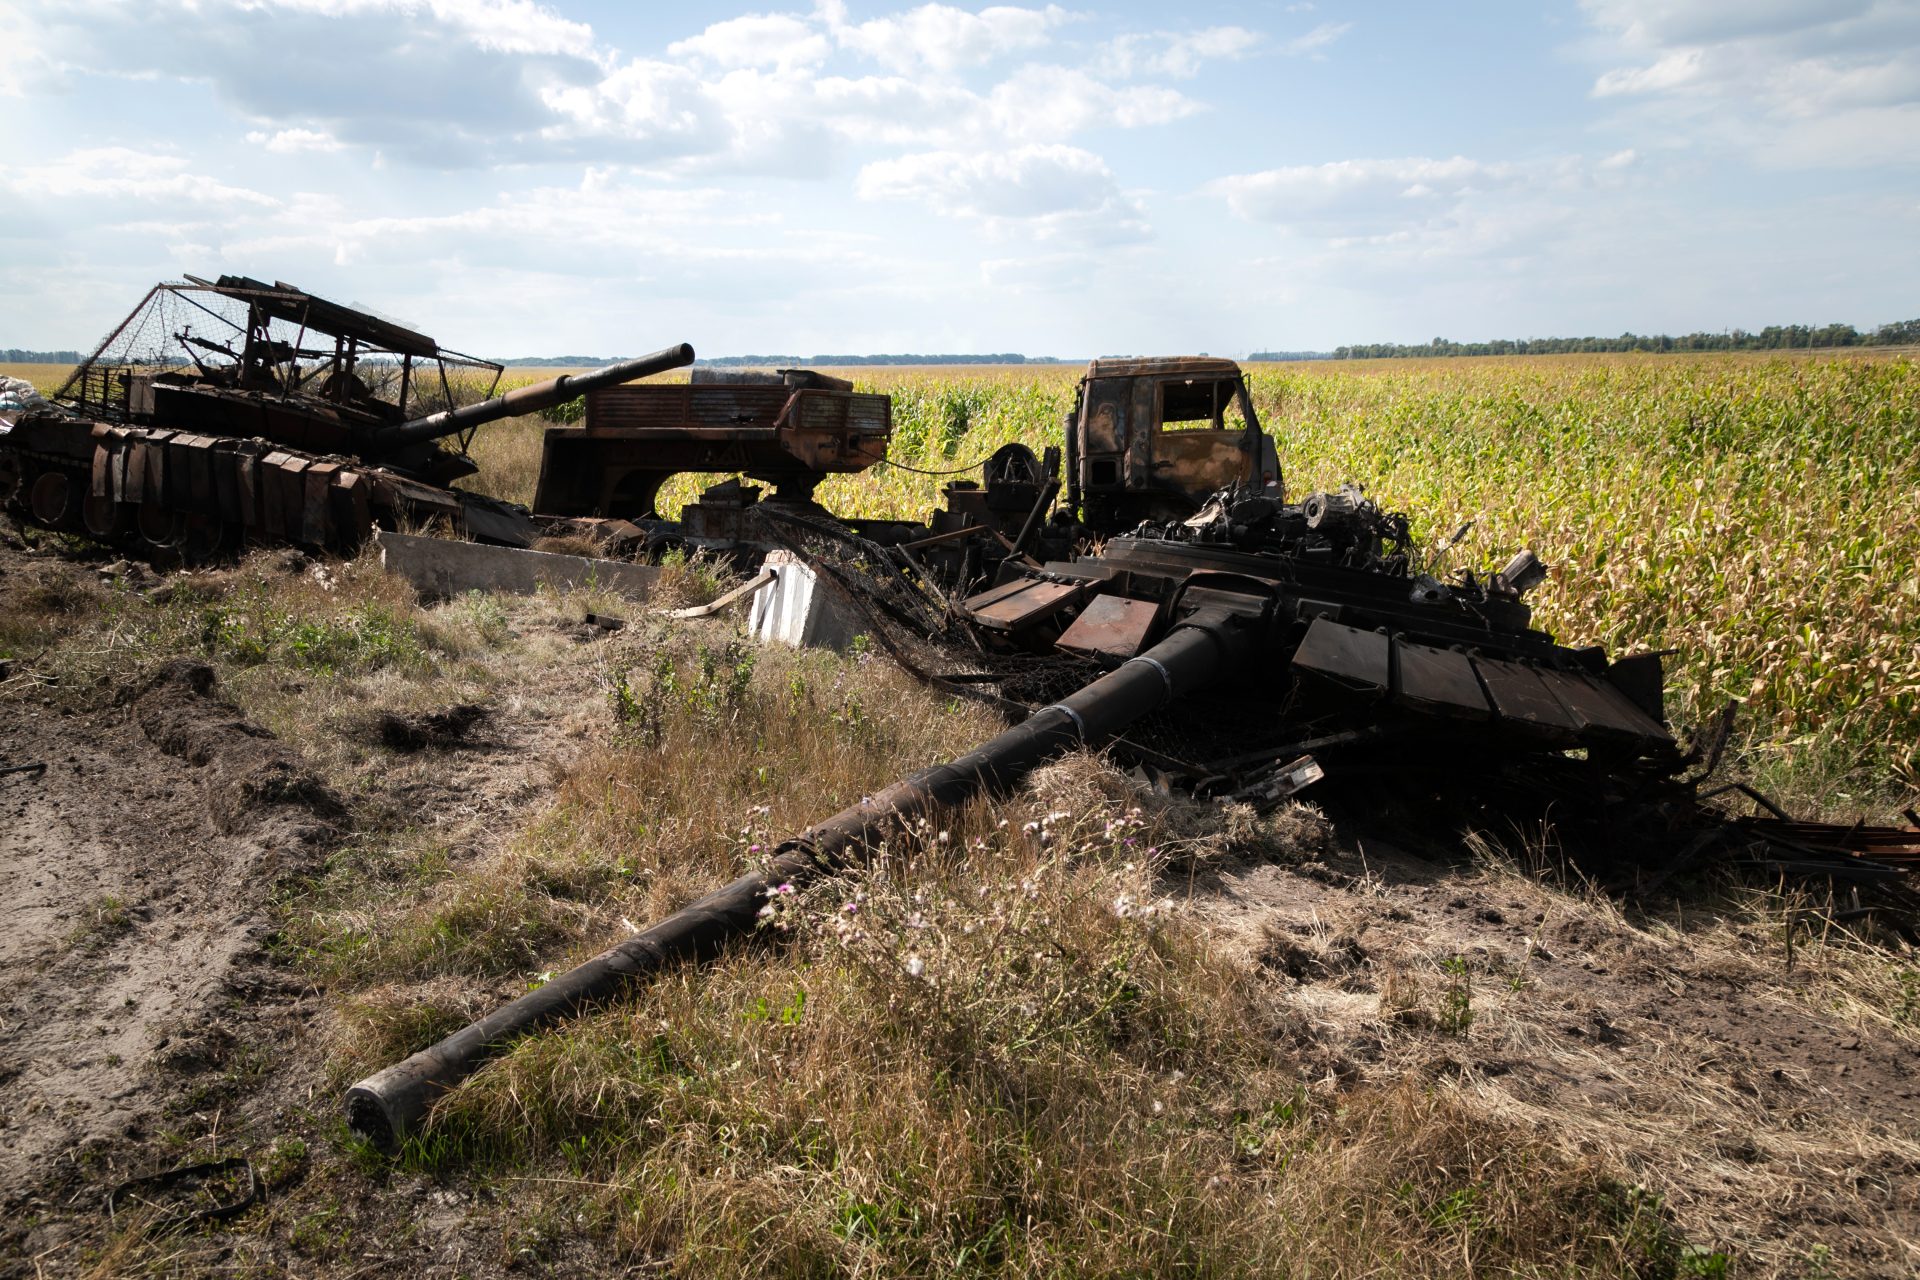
1022 604
1111 627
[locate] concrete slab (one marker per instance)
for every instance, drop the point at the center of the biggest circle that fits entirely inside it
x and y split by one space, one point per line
440 568
799 607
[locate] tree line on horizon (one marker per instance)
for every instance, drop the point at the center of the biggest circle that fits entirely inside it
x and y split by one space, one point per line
1775 337
18 355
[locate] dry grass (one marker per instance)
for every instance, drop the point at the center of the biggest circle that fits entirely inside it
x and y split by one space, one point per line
1002 1052
1013 1056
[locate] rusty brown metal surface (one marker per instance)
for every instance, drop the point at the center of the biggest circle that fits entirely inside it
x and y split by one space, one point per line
1149 439
1111 626
1887 846
1022 604
790 432
1163 367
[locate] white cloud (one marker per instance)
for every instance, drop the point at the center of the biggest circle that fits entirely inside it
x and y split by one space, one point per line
1317 39
1023 183
1673 71
123 173
1172 53
289 141
939 37
1359 197
498 26
1057 102
660 110
1046 191
1666 22
1790 83
756 40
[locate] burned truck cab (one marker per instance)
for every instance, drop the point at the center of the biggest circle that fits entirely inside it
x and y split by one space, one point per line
1150 439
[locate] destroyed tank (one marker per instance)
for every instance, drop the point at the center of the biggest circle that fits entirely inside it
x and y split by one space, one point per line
228 411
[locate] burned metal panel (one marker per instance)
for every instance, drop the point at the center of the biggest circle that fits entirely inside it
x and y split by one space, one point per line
1105 426
200 468
1022 604
1604 711
1196 461
1360 660
273 517
1111 626
226 482
1163 366
1643 681
246 478
1437 682
1138 467
1522 699
316 519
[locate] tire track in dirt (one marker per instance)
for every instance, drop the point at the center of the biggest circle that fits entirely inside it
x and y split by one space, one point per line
136 872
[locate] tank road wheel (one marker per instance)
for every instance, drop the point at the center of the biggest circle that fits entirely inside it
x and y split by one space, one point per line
9 477
105 518
205 536
161 525
52 500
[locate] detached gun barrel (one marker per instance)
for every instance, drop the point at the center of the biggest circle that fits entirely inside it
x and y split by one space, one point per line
1205 647
532 398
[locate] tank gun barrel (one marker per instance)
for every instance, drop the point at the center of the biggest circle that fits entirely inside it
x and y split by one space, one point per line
530 399
1211 643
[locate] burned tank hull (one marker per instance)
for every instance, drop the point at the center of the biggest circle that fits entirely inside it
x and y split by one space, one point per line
1361 648
226 412
149 489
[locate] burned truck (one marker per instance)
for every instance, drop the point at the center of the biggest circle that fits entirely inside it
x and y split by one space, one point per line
1149 439
227 411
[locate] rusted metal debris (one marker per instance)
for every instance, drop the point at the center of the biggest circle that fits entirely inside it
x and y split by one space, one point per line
1151 576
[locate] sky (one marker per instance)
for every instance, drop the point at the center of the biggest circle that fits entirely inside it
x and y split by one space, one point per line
576 178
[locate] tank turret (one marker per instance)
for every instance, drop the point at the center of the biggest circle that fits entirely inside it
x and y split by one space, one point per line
230 409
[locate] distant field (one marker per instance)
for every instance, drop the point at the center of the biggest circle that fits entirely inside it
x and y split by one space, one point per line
47 377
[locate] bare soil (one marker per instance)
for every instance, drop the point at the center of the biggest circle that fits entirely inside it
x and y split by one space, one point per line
137 871
145 1012
1693 1056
